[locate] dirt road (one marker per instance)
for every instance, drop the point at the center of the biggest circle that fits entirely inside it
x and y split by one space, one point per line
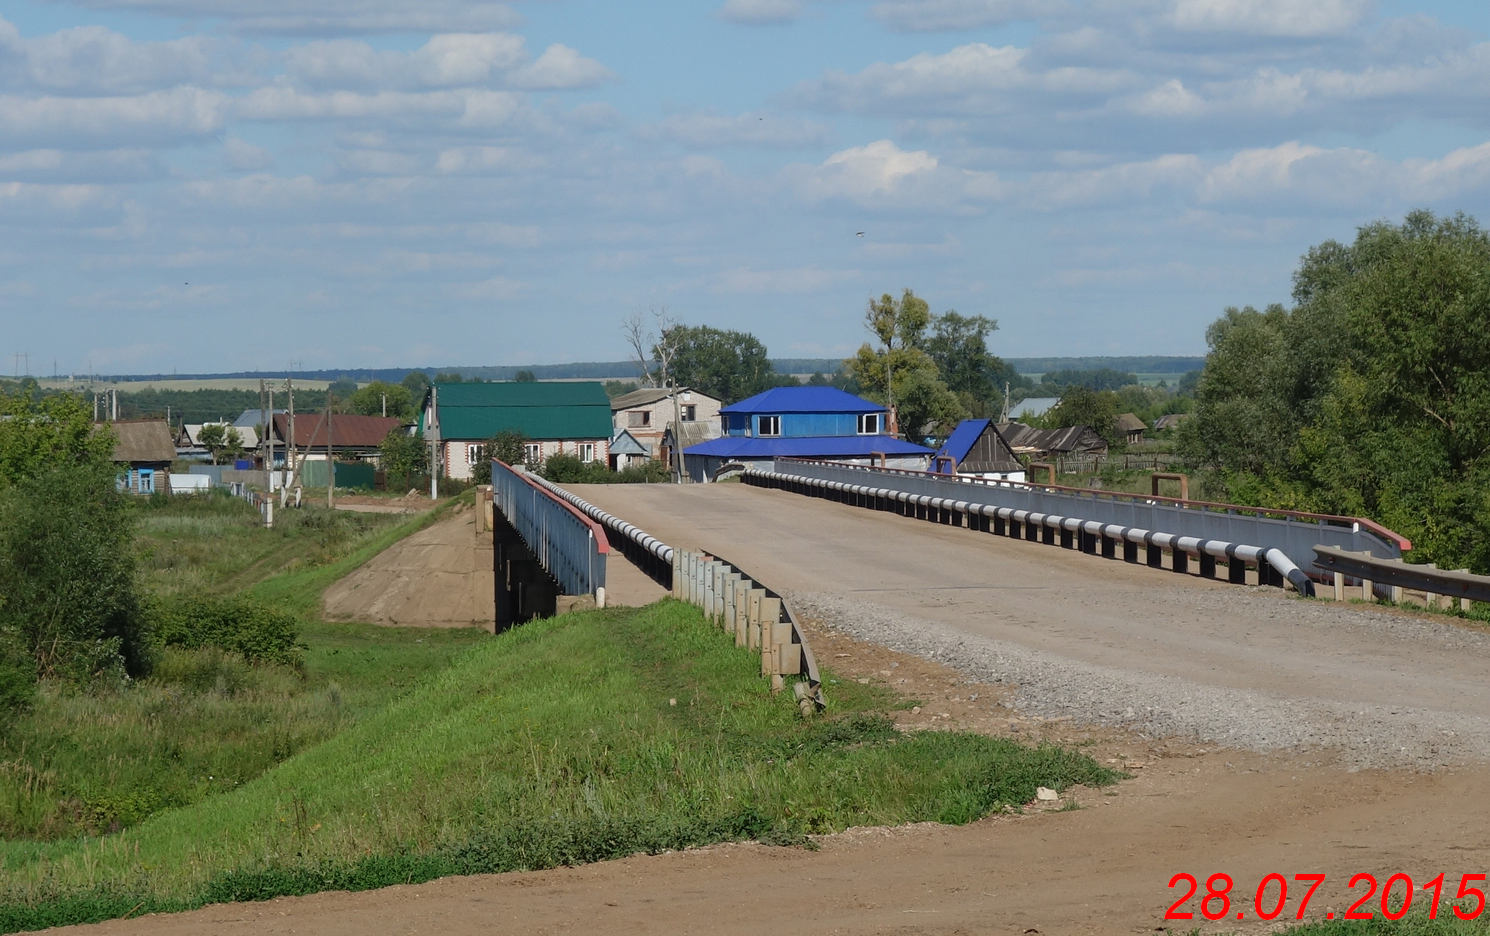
1048 645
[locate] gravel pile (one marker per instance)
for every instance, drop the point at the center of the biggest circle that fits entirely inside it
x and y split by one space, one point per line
1153 705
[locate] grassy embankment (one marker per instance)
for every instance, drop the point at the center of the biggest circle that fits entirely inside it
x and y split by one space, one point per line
206 722
580 738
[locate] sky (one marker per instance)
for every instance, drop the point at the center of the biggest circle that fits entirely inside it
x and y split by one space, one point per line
223 185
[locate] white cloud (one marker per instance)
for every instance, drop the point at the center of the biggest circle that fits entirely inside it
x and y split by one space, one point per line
760 12
947 15
331 17
242 156
558 68
92 60
464 108
98 166
1281 18
451 60
971 79
485 160
159 115
881 175
1122 183
757 128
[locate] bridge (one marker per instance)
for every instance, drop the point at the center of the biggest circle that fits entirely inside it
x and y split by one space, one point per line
1130 643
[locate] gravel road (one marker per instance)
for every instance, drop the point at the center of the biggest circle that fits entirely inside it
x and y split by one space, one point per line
1100 640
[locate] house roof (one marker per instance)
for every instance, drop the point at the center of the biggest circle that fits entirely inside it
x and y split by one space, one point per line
248 436
539 410
649 395
625 443
805 447
804 400
963 440
348 430
143 440
1170 420
693 433
1064 440
1128 422
253 417
1034 406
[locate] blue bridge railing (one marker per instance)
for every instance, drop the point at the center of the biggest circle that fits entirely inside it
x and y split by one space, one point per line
571 546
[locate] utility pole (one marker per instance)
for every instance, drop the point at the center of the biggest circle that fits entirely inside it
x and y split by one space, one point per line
263 454
385 404
290 452
330 464
434 442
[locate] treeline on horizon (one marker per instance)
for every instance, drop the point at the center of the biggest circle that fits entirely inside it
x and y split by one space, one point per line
601 370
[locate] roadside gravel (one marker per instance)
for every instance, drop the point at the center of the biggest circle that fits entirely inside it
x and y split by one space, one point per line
1050 685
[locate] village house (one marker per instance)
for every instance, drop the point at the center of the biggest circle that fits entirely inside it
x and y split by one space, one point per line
1131 427
975 449
143 450
650 415
353 437
802 422
554 417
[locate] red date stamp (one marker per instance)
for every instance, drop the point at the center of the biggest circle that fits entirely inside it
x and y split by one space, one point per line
1392 898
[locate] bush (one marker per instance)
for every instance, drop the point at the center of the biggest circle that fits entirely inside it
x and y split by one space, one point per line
562 469
67 574
235 624
17 689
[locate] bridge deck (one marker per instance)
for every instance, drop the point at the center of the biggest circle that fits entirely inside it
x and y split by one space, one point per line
1099 638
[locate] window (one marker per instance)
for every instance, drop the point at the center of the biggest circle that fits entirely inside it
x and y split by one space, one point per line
690 413
473 454
768 426
869 424
640 419
587 451
532 452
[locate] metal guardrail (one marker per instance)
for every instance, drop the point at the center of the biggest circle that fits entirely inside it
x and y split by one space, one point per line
759 618
1293 533
571 546
1273 566
646 551
713 584
1397 575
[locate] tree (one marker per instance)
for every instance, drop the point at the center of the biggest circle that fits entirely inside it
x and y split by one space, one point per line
525 376
372 399
727 365
402 454
1100 378
342 388
1369 396
416 382
900 373
449 377
222 442
52 430
68 601
508 446
959 346
1080 406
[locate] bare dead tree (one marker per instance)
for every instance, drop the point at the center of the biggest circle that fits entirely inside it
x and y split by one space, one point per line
634 328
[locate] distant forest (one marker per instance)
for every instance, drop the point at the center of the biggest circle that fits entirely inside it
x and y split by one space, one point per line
600 370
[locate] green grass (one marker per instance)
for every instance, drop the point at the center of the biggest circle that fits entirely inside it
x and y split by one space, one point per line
1411 925
205 722
583 737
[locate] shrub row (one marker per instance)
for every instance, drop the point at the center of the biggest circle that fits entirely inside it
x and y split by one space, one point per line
235 624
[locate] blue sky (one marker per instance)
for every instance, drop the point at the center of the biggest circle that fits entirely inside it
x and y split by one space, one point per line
206 185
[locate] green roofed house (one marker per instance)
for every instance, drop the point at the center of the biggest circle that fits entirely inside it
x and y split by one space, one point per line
557 418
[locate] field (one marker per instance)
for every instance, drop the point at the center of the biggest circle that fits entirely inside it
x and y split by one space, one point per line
211 383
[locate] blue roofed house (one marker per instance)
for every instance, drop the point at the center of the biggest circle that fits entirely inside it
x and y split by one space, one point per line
802 422
976 449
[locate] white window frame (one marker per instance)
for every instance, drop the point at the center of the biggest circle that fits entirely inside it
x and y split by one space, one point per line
762 422
865 419
473 453
532 452
586 451
690 412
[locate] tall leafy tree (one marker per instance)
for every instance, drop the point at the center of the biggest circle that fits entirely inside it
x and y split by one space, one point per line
728 365
372 399
900 372
1371 396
